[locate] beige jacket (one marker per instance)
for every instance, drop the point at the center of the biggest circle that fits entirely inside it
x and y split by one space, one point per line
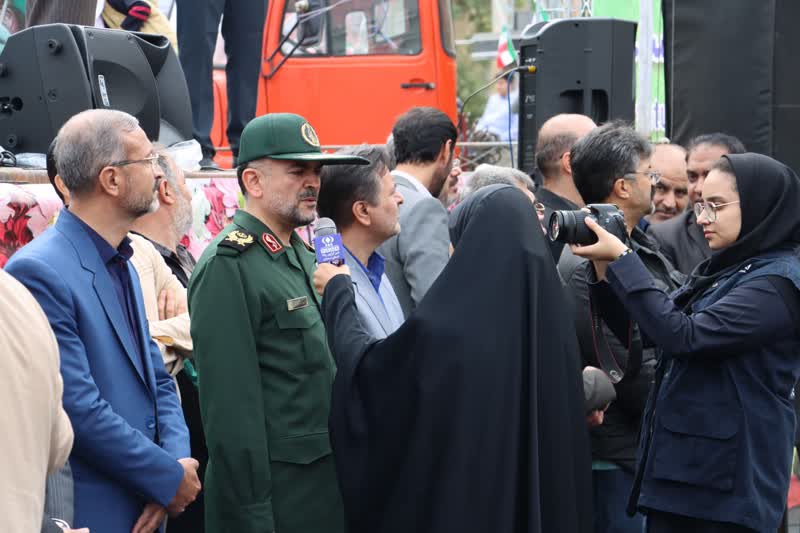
156 23
37 435
171 335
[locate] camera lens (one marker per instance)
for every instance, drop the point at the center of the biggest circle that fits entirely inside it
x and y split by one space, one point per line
554 227
569 227
558 227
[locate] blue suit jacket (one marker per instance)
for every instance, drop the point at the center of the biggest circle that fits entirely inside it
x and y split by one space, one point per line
129 428
380 316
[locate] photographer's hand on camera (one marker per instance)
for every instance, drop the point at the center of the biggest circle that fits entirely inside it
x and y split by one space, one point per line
607 248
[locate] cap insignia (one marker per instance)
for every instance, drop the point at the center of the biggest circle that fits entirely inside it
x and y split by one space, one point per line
309 135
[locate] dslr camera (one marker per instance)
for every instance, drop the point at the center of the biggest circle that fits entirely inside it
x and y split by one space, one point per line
569 226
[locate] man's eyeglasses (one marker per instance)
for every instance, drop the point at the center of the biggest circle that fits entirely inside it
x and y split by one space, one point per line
152 159
710 208
652 175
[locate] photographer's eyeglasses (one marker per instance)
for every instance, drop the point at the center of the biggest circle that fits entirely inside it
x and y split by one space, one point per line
710 208
652 175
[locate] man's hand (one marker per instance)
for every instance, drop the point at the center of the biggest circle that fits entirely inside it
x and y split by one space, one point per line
150 519
324 273
188 489
167 304
595 418
170 304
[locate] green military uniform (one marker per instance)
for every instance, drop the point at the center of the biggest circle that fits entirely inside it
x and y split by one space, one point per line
265 371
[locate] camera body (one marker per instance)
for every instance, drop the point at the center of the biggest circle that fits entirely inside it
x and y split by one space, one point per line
569 226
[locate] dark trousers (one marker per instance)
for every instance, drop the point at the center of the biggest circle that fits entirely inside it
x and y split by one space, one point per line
192 519
38 12
658 522
242 29
611 491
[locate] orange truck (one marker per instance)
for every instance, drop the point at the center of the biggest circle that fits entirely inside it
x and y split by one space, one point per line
350 66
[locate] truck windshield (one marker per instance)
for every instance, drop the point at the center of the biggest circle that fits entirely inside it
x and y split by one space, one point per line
355 27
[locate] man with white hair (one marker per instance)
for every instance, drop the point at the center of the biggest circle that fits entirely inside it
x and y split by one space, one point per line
164 266
492 174
485 175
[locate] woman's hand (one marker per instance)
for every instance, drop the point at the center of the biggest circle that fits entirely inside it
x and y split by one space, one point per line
324 273
607 248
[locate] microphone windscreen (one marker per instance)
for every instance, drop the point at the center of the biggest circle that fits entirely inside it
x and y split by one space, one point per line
324 226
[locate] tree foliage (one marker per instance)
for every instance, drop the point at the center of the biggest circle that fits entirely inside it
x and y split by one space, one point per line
472 16
478 13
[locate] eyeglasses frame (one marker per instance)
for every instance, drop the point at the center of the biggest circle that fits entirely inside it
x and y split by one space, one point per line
700 207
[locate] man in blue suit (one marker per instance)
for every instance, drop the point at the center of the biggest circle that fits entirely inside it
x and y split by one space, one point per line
364 202
131 459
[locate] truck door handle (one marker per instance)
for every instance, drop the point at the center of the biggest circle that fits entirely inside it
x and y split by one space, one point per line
427 85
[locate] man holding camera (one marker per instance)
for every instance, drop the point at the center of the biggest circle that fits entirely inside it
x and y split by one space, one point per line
611 165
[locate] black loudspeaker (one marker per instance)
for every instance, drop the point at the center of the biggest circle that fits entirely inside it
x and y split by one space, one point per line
583 65
730 67
49 73
786 79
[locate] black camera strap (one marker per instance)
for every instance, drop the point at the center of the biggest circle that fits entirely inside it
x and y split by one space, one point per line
607 361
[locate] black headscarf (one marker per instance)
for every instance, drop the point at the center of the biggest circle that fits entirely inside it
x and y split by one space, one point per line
769 198
464 213
470 417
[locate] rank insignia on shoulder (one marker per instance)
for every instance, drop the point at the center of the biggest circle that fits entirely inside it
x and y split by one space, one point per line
238 240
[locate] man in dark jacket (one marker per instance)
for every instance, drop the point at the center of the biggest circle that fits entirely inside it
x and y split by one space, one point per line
555 139
681 238
612 165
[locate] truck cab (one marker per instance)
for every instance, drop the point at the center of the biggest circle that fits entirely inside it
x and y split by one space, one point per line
350 67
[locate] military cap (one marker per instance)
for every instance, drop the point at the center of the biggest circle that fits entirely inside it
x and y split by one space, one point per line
289 137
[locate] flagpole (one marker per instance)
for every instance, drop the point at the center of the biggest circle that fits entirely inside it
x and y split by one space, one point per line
644 69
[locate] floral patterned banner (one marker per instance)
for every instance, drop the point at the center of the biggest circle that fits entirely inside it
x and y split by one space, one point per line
27 210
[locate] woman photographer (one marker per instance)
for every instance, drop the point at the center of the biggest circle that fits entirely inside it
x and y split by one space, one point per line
716 447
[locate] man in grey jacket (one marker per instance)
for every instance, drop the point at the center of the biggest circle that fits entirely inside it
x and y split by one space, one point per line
424 139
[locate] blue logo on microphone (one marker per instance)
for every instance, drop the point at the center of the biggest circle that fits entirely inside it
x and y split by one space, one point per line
329 249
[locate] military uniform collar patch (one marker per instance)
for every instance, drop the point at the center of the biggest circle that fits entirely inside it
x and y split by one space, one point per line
239 240
272 244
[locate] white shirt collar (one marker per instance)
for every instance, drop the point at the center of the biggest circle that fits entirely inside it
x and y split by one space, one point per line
414 182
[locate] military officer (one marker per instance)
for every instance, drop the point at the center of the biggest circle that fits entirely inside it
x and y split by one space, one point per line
265 370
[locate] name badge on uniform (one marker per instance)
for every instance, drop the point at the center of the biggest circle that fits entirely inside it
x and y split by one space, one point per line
297 303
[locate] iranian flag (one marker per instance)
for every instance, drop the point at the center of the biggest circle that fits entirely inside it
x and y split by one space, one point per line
506 54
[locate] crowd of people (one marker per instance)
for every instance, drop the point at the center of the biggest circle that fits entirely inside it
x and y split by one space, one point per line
460 371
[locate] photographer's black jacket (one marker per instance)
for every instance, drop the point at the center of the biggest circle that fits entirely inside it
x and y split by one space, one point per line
616 439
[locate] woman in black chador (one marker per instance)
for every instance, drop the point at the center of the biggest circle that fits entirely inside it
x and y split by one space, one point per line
469 418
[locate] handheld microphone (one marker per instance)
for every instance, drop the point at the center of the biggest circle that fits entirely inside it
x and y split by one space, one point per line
328 243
